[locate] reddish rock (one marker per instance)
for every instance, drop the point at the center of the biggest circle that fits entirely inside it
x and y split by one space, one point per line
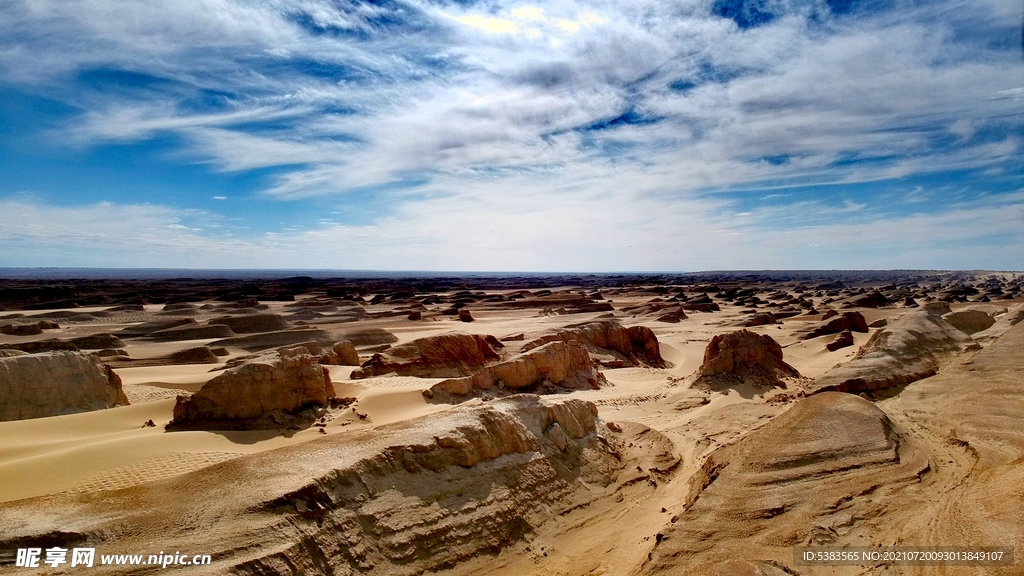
843 340
442 356
759 319
632 346
745 356
270 391
346 351
564 364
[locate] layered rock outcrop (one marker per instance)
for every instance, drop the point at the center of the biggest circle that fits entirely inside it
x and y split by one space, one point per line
743 356
563 364
56 383
908 349
409 498
610 343
270 391
791 482
442 356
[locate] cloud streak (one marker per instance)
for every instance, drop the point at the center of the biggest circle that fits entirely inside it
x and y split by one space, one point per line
544 120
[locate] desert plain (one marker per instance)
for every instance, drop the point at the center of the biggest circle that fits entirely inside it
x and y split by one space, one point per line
515 425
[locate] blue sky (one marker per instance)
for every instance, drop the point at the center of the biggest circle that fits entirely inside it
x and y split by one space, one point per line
610 135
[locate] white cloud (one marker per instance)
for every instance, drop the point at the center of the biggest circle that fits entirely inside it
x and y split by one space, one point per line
503 114
584 228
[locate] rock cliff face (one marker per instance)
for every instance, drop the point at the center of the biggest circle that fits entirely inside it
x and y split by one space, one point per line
610 343
409 498
55 383
441 356
564 364
743 356
265 392
906 350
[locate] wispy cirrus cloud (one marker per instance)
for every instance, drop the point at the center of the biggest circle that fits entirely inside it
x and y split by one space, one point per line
620 113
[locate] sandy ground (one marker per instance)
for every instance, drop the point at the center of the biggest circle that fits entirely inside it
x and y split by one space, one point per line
50 455
111 449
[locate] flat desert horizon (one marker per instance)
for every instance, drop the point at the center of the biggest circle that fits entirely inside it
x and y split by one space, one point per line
720 423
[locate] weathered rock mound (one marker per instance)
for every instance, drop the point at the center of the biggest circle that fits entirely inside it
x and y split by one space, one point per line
562 364
56 383
257 342
610 343
969 321
147 328
252 323
853 321
266 392
906 350
843 340
787 483
192 332
346 351
743 356
21 329
369 337
442 356
196 355
98 342
48 345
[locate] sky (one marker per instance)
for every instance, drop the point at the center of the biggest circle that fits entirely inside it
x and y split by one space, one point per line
561 135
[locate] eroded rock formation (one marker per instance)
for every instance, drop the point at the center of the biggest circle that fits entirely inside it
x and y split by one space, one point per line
610 343
55 383
409 498
252 323
969 321
786 484
442 356
563 364
908 349
269 391
853 321
743 356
